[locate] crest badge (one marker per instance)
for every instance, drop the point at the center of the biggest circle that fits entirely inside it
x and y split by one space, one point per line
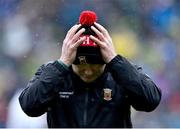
107 94
82 60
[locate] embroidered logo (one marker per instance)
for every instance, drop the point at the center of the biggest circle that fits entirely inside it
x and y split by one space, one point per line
107 94
82 60
88 41
65 94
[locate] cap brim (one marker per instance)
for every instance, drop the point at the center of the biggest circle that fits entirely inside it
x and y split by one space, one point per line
88 58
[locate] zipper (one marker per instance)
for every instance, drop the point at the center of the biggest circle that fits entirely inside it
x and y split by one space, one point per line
85 109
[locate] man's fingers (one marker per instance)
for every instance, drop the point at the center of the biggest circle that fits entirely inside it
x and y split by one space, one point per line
76 36
69 31
81 40
97 41
72 31
102 29
99 34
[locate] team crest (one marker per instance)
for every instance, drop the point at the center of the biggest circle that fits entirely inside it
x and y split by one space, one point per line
107 94
82 60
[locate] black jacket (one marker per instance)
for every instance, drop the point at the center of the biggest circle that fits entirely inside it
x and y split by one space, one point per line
69 102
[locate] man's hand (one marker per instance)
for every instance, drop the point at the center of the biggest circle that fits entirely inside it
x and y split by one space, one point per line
104 42
70 45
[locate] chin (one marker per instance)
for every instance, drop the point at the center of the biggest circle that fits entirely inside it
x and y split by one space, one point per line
88 80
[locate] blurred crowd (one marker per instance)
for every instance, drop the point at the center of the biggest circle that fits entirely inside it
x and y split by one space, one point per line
146 32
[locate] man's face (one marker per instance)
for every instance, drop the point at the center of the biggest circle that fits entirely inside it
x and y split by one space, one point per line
88 72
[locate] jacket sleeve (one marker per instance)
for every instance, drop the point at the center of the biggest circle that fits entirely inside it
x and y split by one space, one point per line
43 88
141 91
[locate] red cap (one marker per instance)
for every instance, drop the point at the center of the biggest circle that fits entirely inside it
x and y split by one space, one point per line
88 51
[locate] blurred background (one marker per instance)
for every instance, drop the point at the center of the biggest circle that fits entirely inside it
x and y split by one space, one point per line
144 31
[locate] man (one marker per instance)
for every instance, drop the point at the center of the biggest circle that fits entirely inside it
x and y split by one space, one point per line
90 85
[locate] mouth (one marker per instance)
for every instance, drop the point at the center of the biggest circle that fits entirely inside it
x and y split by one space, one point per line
88 77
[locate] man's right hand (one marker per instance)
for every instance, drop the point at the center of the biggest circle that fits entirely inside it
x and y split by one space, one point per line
70 45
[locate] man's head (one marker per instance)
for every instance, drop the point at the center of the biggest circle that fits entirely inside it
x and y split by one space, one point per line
88 64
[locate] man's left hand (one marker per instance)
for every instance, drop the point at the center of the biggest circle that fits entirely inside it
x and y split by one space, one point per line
104 41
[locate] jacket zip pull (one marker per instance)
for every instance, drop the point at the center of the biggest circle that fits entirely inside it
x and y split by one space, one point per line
85 109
